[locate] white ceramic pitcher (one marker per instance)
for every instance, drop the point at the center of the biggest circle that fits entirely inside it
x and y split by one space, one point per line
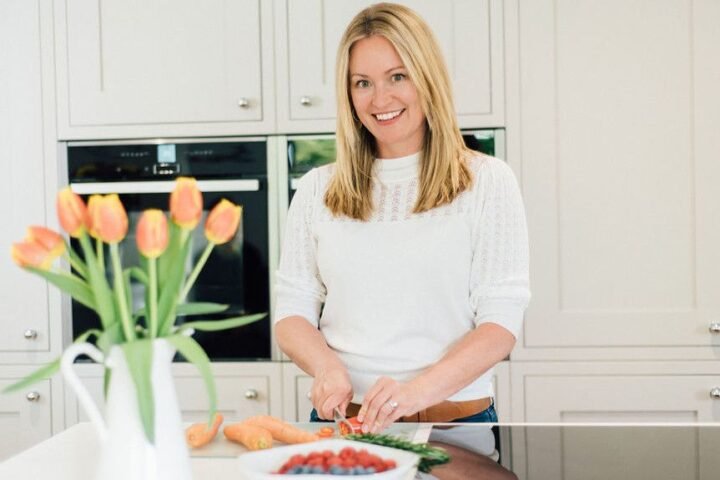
125 452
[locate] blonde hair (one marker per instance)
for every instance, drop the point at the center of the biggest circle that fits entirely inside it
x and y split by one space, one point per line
444 173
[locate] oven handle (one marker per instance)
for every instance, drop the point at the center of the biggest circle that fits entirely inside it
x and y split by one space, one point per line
244 185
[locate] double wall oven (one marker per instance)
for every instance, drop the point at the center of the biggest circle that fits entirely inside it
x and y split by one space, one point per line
237 273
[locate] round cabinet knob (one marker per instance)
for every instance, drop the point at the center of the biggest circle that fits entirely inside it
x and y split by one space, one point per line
251 394
305 101
715 327
32 396
30 334
715 392
243 102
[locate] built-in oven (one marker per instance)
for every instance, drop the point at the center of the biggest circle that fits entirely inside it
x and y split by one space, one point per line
237 273
305 152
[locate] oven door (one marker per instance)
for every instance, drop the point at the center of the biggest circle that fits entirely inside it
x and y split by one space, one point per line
235 274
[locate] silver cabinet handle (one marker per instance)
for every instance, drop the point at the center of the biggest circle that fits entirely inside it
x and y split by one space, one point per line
32 396
715 392
715 327
243 102
251 394
305 101
30 334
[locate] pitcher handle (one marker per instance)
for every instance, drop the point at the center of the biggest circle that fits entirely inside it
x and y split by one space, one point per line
66 366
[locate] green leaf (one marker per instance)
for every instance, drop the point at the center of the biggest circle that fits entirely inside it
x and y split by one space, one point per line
70 284
48 370
98 283
139 275
77 262
170 255
169 291
193 352
216 325
200 308
39 374
139 357
128 291
112 335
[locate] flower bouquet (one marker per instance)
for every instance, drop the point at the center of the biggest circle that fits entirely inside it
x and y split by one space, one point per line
164 247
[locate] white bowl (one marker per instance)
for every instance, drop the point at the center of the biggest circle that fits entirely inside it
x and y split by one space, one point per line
260 464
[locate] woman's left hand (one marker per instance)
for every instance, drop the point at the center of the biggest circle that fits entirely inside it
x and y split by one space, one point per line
386 401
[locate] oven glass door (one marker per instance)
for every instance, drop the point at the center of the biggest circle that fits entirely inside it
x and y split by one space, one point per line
235 274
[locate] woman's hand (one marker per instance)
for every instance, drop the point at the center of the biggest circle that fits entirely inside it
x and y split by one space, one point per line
385 402
331 388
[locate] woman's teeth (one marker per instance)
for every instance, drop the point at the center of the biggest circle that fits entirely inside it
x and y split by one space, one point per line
387 116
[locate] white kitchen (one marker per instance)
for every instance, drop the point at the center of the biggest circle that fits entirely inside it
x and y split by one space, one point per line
607 113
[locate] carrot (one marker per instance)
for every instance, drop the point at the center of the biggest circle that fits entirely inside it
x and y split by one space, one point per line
280 430
198 434
252 436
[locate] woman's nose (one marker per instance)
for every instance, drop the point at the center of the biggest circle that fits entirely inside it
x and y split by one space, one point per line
381 96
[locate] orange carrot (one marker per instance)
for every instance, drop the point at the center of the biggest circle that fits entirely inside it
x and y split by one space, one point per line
280 430
198 434
252 436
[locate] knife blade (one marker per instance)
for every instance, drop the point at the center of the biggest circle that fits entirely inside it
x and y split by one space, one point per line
341 421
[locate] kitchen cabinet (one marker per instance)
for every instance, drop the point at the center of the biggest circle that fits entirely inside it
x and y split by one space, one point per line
307 32
615 392
243 390
613 128
28 162
156 68
297 384
25 416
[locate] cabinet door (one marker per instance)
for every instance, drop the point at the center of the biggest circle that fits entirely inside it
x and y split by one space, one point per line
25 417
23 296
576 454
470 34
618 153
160 66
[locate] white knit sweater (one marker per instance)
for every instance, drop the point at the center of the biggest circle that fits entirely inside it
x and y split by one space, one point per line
401 289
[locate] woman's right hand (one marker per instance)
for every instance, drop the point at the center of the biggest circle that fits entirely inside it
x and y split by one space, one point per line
331 388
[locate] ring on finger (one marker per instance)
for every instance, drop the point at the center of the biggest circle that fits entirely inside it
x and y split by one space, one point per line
392 404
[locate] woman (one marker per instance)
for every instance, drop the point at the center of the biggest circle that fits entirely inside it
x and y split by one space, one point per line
416 246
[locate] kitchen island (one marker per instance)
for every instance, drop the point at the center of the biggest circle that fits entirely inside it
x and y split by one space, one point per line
529 452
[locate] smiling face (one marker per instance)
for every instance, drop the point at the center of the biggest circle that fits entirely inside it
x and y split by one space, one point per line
385 99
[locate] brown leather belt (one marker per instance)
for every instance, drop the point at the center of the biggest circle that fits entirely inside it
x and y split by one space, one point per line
446 411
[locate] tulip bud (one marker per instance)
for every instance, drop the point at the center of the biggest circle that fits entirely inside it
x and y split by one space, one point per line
186 203
152 233
109 220
48 239
31 254
222 222
92 204
72 212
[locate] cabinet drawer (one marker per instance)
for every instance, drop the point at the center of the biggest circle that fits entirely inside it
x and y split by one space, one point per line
25 417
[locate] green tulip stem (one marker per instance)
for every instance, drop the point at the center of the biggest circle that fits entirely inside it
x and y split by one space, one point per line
77 265
153 307
196 271
125 319
100 253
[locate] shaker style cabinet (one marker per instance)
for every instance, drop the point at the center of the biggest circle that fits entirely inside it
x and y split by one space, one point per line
308 32
25 416
154 68
615 133
243 390
27 308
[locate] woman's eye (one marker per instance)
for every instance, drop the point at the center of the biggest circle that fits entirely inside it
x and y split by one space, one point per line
397 77
362 83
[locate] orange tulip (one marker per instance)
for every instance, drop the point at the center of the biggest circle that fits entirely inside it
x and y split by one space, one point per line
186 203
152 233
72 212
222 222
31 254
47 239
109 220
92 204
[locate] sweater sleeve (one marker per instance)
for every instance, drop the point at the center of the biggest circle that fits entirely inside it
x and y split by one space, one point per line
499 283
298 287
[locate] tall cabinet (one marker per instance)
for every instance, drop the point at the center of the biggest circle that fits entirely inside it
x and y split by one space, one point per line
613 122
29 312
